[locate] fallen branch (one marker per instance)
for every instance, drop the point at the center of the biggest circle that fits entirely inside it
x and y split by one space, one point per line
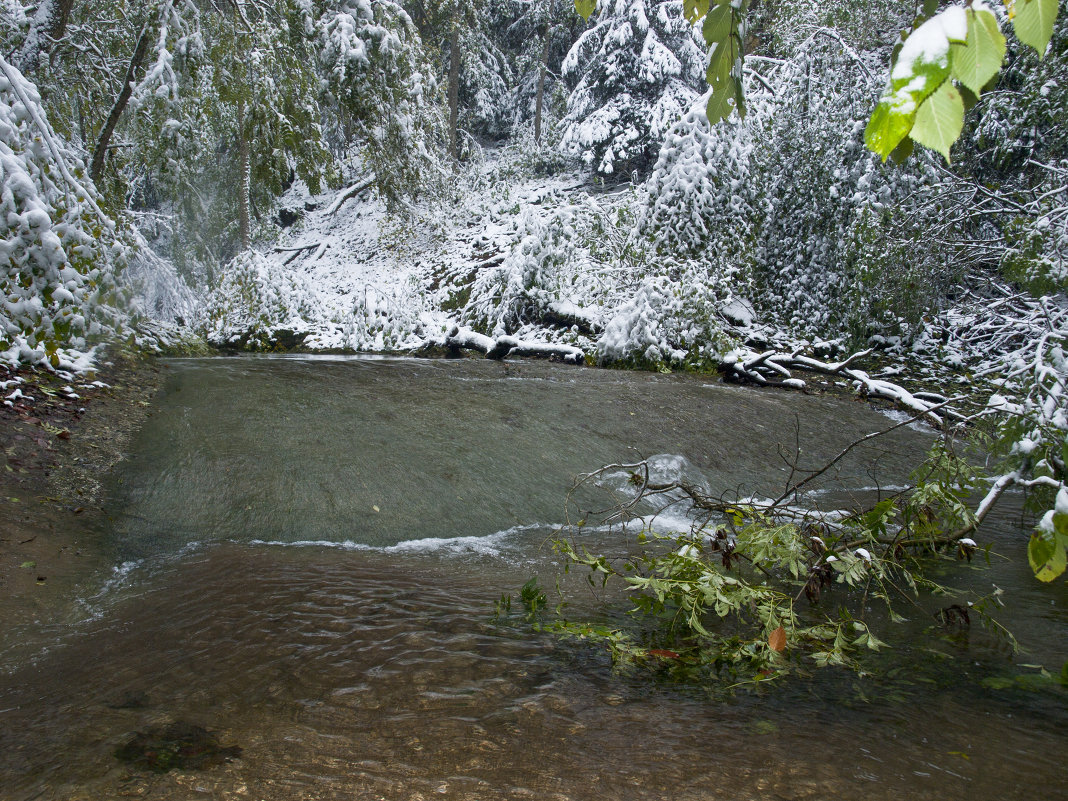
773 368
465 339
349 194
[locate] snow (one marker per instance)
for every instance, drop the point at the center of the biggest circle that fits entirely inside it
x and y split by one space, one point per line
61 251
929 44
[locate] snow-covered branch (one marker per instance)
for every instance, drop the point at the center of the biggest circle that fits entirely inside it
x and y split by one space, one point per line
460 338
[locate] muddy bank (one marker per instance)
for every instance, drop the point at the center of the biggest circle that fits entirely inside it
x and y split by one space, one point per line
58 440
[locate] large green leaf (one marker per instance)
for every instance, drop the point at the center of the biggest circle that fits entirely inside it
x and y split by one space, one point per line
719 25
723 78
1046 556
922 67
1033 22
585 8
694 10
939 119
721 32
886 129
978 59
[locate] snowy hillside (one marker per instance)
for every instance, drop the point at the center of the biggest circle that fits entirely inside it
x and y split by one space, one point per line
545 259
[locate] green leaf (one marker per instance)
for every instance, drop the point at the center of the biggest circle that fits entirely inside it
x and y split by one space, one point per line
719 25
1033 22
939 120
919 71
886 129
979 59
694 10
726 88
1046 557
901 153
585 8
723 35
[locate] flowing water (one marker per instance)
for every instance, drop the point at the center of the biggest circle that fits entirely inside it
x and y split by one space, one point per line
306 553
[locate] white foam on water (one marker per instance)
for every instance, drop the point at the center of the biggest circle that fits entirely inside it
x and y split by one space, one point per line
900 416
491 545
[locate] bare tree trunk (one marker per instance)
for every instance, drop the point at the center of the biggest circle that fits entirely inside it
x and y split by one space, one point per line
541 87
138 57
48 25
244 224
454 90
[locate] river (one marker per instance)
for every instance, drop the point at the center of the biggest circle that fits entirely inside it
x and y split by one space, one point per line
302 554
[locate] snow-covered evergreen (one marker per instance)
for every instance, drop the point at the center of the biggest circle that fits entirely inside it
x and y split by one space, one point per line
634 73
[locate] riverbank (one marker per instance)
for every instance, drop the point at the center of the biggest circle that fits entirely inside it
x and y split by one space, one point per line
59 438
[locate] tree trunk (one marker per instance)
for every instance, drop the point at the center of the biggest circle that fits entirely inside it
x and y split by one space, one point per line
541 87
138 57
454 90
244 224
48 26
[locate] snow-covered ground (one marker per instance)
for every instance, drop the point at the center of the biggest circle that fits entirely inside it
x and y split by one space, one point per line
347 275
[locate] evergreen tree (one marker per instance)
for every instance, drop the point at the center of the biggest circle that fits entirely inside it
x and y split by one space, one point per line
382 95
634 73
540 35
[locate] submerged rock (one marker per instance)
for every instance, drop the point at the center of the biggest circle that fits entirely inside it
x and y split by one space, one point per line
180 745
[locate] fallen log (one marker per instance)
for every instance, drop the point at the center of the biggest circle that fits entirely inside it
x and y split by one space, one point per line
348 194
498 348
774 368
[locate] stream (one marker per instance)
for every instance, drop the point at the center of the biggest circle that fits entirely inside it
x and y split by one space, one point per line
302 554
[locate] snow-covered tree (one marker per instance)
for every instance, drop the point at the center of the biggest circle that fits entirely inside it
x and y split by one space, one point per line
61 253
476 71
541 34
635 72
383 94
815 230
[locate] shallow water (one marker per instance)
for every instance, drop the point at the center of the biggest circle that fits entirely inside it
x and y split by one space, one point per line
350 650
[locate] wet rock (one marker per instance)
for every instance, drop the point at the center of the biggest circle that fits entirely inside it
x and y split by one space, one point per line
179 745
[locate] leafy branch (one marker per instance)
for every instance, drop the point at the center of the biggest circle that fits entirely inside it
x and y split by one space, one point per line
725 600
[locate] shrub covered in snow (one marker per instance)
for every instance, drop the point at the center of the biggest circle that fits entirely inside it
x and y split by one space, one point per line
61 253
253 299
789 199
700 187
669 321
532 276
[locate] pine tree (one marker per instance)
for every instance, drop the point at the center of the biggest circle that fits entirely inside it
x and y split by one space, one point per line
635 72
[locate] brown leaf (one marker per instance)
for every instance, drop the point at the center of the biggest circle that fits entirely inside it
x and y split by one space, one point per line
777 640
665 654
